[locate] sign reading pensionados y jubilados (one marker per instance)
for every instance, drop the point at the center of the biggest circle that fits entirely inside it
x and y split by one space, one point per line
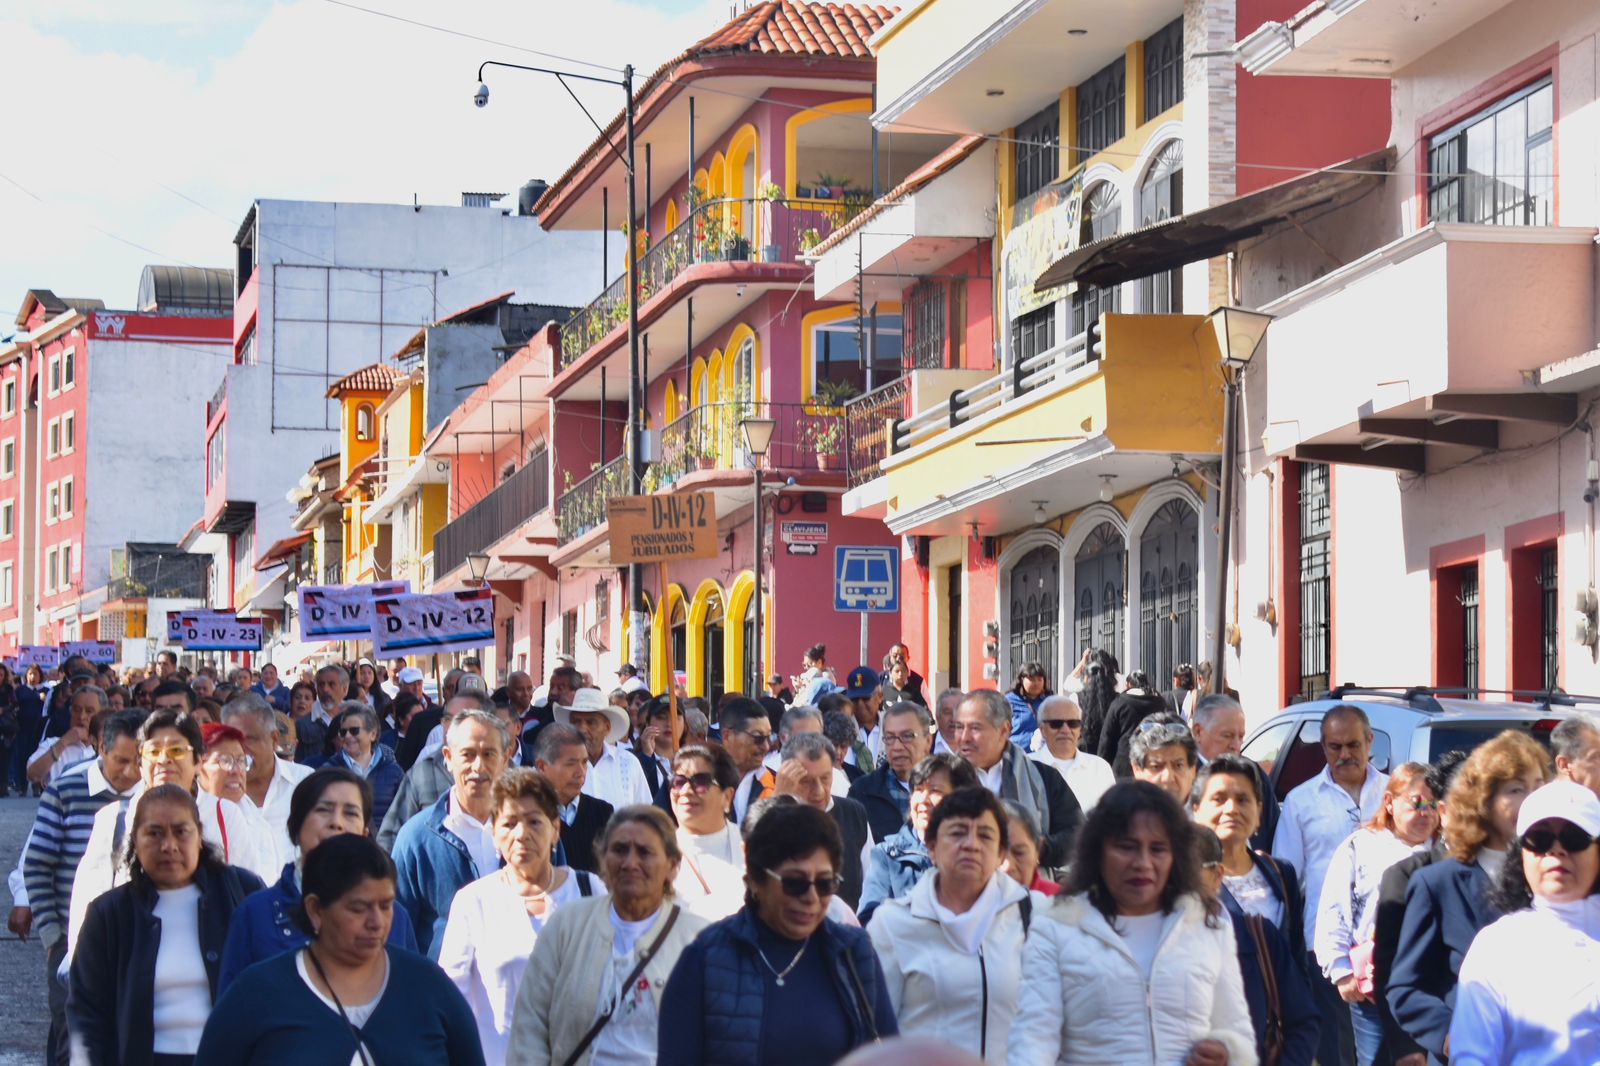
662 529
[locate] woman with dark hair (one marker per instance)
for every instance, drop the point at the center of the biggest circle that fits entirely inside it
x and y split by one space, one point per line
1138 701
1098 692
356 748
1032 685
345 996
952 950
896 864
778 983
1135 963
1023 843
145 972
328 803
11 772
711 878
1527 991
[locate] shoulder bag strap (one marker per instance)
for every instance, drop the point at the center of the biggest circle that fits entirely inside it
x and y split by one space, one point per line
1269 979
355 1034
627 983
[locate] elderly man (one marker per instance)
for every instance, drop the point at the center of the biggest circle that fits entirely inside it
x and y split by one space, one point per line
203 687
801 718
563 681
562 756
315 740
865 691
886 791
615 774
944 720
1162 753
1219 729
429 777
807 775
983 738
1060 728
1576 743
270 781
452 843
1316 817
269 688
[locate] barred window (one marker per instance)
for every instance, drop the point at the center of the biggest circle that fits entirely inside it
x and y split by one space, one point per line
1038 151
1163 69
1101 115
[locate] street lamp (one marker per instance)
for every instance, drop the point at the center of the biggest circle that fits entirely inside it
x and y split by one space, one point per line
478 567
757 439
1237 334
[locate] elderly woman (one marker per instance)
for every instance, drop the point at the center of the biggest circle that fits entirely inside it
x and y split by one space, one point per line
225 763
347 996
1527 991
711 878
329 803
1161 750
896 864
952 950
496 920
356 748
1449 902
1407 819
145 972
1135 963
597 984
1023 840
778 983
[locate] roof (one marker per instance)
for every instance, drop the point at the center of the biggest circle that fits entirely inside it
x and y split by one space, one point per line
942 163
378 377
54 305
186 288
1214 230
789 28
281 551
415 343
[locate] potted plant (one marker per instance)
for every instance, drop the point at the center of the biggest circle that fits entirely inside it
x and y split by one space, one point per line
736 248
809 239
822 434
773 195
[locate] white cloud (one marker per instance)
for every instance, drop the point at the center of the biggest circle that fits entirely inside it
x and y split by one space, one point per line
317 102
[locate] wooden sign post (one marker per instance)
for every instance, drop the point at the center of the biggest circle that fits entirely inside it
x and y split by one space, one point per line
659 529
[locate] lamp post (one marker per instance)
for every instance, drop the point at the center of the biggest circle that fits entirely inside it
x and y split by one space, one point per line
757 439
1237 334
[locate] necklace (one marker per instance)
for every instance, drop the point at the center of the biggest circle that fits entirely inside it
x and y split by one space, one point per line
781 974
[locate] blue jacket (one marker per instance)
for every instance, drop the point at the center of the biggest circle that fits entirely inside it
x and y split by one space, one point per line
278 696
431 864
1297 1008
384 776
898 863
263 927
714 1008
874 792
1284 880
1446 905
1024 718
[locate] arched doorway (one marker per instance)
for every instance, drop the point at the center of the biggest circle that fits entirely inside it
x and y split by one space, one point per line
1098 576
1034 588
752 654
711 649
1169 566
679 630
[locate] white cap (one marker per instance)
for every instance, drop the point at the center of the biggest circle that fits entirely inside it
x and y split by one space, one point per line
632 685
410 675
1564 799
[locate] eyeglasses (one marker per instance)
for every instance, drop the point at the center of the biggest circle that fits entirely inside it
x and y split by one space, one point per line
796 886
907 739
229 763
759 738
1543 841
1064 723
701 783
351 731
175 752
1425 805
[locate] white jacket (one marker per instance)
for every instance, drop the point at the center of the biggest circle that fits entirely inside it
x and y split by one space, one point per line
1347 910
938 989
1085 1001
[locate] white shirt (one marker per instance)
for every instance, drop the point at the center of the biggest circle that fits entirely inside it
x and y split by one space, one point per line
874 742
1089 776
629 1039
358 1013
71 755
274 809
711 877
477 836
618 779
1253 893
1316 818
1347 907
181 992
1142 935
994 777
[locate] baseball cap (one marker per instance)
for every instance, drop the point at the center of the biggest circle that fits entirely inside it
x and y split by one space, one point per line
409 676
1563 799
862 682
627 670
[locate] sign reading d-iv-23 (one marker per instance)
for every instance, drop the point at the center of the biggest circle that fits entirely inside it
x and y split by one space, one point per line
866 580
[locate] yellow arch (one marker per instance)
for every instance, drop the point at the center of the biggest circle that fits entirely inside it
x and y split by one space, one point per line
694 649
736 339
661 635
672 215
791 133
697 373
808 327
718 178
669 403
744 148
740 593
714 377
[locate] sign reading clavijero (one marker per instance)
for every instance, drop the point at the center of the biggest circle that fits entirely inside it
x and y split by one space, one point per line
662 529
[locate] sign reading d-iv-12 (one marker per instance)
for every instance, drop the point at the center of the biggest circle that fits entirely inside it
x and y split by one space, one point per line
866 580
429 622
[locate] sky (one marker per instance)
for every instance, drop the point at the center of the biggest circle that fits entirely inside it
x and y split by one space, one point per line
139 131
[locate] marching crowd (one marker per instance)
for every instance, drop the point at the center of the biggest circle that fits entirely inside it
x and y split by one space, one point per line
343 869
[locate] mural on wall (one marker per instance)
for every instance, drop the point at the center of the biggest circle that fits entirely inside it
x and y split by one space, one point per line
1047 228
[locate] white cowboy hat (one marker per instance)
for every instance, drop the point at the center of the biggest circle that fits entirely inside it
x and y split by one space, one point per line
593 701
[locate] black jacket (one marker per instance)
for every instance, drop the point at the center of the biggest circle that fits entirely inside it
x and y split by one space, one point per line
111 998
851 818
411 745
578 839
1297 1008
1122 718
883 813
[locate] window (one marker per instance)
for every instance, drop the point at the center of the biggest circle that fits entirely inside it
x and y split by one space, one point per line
364 418
1316 631
1161 198
66 497
214 455
52 569
569 632
1468 599
1038 151
1163 69
925 323
958 322
1033 333
8 458
8 520
1101 117
7 584
69 369
1102 216
55 374
53 438
69 433
836 351
1497 167
53 510
1458 628
1549 618
8 398
66 565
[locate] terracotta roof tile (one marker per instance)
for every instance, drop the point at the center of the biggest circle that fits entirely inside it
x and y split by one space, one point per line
378 377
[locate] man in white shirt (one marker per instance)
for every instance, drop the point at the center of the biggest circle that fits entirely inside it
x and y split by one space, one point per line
615 774
1061 726
1316 818
56 754
270 781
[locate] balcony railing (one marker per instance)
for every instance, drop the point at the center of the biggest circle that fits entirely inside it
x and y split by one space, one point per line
869 422
524 494
720 231
583 506
333 573
709 438
215 403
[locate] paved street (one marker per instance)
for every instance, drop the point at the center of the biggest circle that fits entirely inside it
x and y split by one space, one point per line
23 1022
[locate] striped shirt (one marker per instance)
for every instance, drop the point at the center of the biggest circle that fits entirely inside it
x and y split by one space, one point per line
60 834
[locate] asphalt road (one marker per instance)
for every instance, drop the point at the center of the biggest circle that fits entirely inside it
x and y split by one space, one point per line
24 1017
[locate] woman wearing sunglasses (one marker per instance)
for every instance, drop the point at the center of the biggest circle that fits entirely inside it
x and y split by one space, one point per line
711 879
1528 992
356 748
1406 822
777 983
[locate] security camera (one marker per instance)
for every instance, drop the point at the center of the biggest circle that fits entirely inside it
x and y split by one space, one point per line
481 97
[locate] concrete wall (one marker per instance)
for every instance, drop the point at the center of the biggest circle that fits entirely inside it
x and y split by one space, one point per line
458 358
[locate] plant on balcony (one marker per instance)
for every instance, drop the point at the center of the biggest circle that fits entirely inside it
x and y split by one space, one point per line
809 239
823 434
833 394
771 192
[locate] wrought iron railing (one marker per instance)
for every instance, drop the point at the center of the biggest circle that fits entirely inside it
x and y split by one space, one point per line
869 428
583 506
524 494
719 231
709 437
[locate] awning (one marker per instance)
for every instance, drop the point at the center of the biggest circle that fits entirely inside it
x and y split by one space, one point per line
282 551
270 596
1214 230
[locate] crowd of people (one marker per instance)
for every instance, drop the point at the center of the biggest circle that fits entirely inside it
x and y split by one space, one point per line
343 867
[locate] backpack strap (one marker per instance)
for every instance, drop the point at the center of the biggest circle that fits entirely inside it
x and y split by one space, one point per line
585 886
1026 908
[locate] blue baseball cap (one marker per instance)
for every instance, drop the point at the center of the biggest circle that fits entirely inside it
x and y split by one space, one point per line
862 682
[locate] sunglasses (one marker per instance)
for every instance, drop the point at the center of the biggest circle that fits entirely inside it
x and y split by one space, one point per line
351 731
1064 723
1425 805
759 738
701 783
796 886
1542 841
175 752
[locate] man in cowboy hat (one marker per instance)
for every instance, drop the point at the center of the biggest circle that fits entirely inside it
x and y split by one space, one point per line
615 774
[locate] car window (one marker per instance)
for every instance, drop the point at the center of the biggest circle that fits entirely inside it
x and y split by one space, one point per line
1266 746
1304 759
1466 737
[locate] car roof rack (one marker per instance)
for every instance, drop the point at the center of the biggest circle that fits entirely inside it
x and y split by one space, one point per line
1427 696
1416 695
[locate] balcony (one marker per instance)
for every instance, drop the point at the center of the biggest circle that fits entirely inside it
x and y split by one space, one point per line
721 231
504 510
1358 38
583 506
1434 337
869 429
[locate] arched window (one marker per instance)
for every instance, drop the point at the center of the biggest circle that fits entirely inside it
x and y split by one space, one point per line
1161 198
1169 563
365 429
1098 578
711 646
669 403
1102 217
1034 586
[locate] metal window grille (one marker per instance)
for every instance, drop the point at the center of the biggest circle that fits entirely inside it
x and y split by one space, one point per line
1035 624
1038 151
1169 556
1161 198
1099 572
1102 215
1101 115
925 318
1316 628
1497 167
1163 69
1549 618
1469 630
1033 333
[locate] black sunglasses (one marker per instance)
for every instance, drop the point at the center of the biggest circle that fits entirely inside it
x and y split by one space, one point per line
796 886
351 731
1063 723
701 783
1542 841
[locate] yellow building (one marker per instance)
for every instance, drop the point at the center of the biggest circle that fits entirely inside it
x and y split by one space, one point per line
360 394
